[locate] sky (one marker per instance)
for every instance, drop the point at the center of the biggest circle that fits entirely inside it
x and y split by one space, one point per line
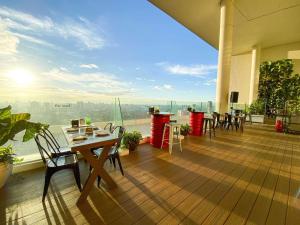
63 50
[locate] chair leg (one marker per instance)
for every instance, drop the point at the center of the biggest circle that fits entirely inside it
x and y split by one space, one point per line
77 176
48 176
120 164
209 124
113 159
98 181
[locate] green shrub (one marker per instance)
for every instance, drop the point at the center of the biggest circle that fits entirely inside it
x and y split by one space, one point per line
131 139
185 129
257 107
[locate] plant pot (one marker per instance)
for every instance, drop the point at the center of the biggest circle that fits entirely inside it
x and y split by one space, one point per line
258 118
5 172
132 146
185 133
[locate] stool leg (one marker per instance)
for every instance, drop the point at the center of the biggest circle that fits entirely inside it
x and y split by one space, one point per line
171 133
209 124
205 126
180 140
163 137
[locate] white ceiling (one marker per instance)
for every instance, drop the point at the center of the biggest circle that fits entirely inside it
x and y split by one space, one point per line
257 22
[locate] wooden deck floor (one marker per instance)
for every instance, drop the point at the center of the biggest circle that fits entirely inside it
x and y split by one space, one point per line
250 178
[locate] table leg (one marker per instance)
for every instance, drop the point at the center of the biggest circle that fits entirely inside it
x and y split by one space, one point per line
98 170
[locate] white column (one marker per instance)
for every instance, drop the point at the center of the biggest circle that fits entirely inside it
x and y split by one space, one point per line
254 78
225 52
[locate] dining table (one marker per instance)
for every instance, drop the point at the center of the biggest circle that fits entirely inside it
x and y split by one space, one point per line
79 141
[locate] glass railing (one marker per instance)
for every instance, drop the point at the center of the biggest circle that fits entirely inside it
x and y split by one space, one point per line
134 115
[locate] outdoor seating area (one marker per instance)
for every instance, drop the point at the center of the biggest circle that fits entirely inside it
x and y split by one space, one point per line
168 112
250 177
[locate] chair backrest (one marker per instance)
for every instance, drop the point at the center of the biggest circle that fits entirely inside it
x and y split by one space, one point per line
226 117
48 134
109 126
45 152
229 118
121 132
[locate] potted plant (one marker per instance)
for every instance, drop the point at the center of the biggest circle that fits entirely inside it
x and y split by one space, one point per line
131 140
185 129
156 110
256 111
10 125
151 110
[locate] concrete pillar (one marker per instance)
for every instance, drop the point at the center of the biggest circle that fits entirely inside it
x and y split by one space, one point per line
225 52
254 75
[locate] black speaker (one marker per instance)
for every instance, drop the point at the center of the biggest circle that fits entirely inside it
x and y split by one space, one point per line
234 97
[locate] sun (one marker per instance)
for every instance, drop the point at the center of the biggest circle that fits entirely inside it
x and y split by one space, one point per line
21 77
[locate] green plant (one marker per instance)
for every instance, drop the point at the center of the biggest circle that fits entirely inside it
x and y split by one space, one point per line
185 129
278 84
7 154
12 124
131 139
191 109
257 107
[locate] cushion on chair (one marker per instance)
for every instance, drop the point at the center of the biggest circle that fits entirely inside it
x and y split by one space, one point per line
98 151
63 160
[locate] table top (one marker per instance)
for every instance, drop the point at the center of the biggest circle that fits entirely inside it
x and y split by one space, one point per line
92 140
163 114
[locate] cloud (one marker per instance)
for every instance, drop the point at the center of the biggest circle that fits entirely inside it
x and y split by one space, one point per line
192 70
58 84
92 82
82 31
89 66
32 39
210 82
144 79
165 87
8 42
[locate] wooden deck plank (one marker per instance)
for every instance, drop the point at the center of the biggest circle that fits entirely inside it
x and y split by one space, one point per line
293 211
233 178
261 207
244 205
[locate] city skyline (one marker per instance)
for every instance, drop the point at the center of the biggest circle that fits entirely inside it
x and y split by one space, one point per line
95 51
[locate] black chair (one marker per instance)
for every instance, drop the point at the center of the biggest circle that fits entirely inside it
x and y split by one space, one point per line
229 122
59 150
236 121
109 127
55 162
223 122
217 121
211 125
113 154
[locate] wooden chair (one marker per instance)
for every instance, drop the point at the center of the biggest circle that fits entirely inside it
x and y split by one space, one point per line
113 155
55 162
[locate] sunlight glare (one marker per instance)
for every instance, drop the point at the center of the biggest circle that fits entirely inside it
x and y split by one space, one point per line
21 77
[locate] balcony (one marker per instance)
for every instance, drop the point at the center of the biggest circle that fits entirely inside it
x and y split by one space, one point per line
234 178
